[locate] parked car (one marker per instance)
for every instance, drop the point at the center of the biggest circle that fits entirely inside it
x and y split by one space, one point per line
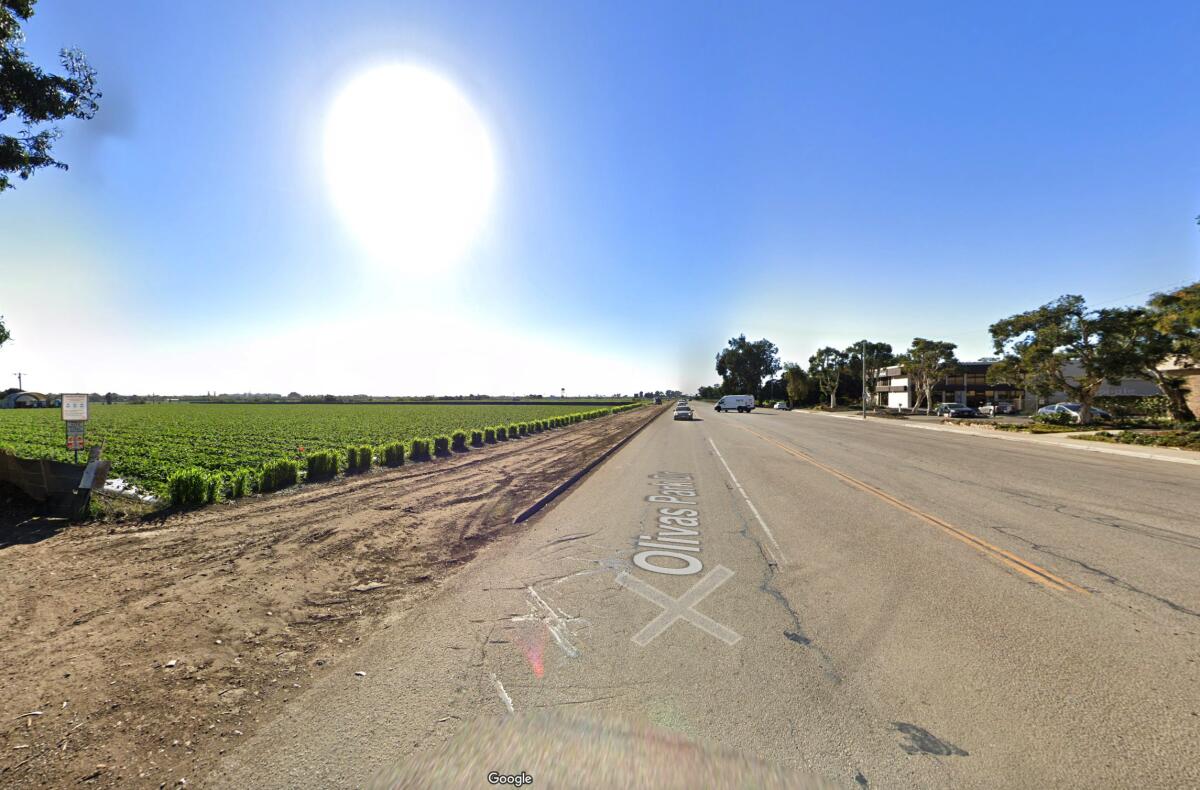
781 406
961 412
999 407
683 412
743 403
1072 411
944 409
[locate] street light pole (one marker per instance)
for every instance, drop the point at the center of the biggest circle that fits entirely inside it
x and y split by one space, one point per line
863 354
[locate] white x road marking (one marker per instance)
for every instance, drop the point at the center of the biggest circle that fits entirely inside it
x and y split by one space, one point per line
680 608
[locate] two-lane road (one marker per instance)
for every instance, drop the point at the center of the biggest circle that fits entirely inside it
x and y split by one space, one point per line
865 602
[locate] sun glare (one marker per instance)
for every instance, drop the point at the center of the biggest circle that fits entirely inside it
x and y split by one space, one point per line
409 166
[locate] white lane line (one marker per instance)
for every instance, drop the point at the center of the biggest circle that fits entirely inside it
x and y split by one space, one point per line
770 535
507 700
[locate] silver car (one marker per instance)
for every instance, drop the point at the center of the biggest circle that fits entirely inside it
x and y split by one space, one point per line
683 412
1072 410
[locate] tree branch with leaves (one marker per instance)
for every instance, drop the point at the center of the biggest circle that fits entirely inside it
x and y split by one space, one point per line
37 98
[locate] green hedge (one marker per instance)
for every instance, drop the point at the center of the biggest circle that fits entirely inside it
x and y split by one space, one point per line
458 441
319 466
489 435
358 459
477 438
441 444
418 450
392 454
501 433
188 488
241 483
278 474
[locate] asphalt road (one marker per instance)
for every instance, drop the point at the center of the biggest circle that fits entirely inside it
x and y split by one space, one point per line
863 603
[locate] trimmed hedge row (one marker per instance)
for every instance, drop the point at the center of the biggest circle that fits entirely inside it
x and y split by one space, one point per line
194 487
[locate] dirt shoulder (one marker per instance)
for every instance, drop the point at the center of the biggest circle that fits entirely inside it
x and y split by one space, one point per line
136 653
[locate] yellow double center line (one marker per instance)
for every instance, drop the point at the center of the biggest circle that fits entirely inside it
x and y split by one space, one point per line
1035 572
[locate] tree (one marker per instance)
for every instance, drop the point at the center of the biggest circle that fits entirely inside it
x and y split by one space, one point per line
743 365
1039 345
1168 335
927 362
37 98
4 335
826 367
797 383
877 355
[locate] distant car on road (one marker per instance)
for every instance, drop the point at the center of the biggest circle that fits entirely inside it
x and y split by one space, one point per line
742 403
683 412
658 401
781 406
1072 411
943 409
999 407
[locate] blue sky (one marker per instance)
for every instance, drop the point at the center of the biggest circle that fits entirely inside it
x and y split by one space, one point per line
669 175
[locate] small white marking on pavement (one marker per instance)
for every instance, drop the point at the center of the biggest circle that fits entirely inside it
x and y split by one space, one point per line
507 700
555 624
770 535
680 608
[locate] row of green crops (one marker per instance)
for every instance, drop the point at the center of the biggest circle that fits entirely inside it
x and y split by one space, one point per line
191 454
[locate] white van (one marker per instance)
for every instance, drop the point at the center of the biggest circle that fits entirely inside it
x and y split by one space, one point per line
736 402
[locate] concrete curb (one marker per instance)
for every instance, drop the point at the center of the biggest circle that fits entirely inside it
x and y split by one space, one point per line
1053 442
554 493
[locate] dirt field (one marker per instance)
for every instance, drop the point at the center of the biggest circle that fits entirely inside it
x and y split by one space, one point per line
135 653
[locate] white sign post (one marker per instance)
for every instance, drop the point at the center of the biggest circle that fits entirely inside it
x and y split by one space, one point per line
75 414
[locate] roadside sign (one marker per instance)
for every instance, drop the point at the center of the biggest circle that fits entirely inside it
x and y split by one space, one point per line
74 407
75 431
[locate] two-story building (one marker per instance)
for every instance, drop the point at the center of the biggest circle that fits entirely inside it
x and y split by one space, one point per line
968 385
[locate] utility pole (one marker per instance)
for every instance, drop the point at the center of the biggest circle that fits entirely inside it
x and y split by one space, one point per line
20 384
863 354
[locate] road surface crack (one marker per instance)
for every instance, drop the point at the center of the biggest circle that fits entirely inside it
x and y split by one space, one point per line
1103 574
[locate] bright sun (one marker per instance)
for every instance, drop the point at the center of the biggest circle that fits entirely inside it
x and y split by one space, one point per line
409 166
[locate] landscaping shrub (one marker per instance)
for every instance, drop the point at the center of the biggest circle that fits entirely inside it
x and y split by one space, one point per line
188 488
441 444
477 438
1057 418
321 465
212 487
358 459
240 483
489 435
392 454
501 433
418 450
458 441
278 474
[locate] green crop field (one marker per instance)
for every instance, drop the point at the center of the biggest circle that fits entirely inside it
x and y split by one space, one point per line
147 442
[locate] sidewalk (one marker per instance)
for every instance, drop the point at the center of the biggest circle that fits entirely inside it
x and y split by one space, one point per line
1171 454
